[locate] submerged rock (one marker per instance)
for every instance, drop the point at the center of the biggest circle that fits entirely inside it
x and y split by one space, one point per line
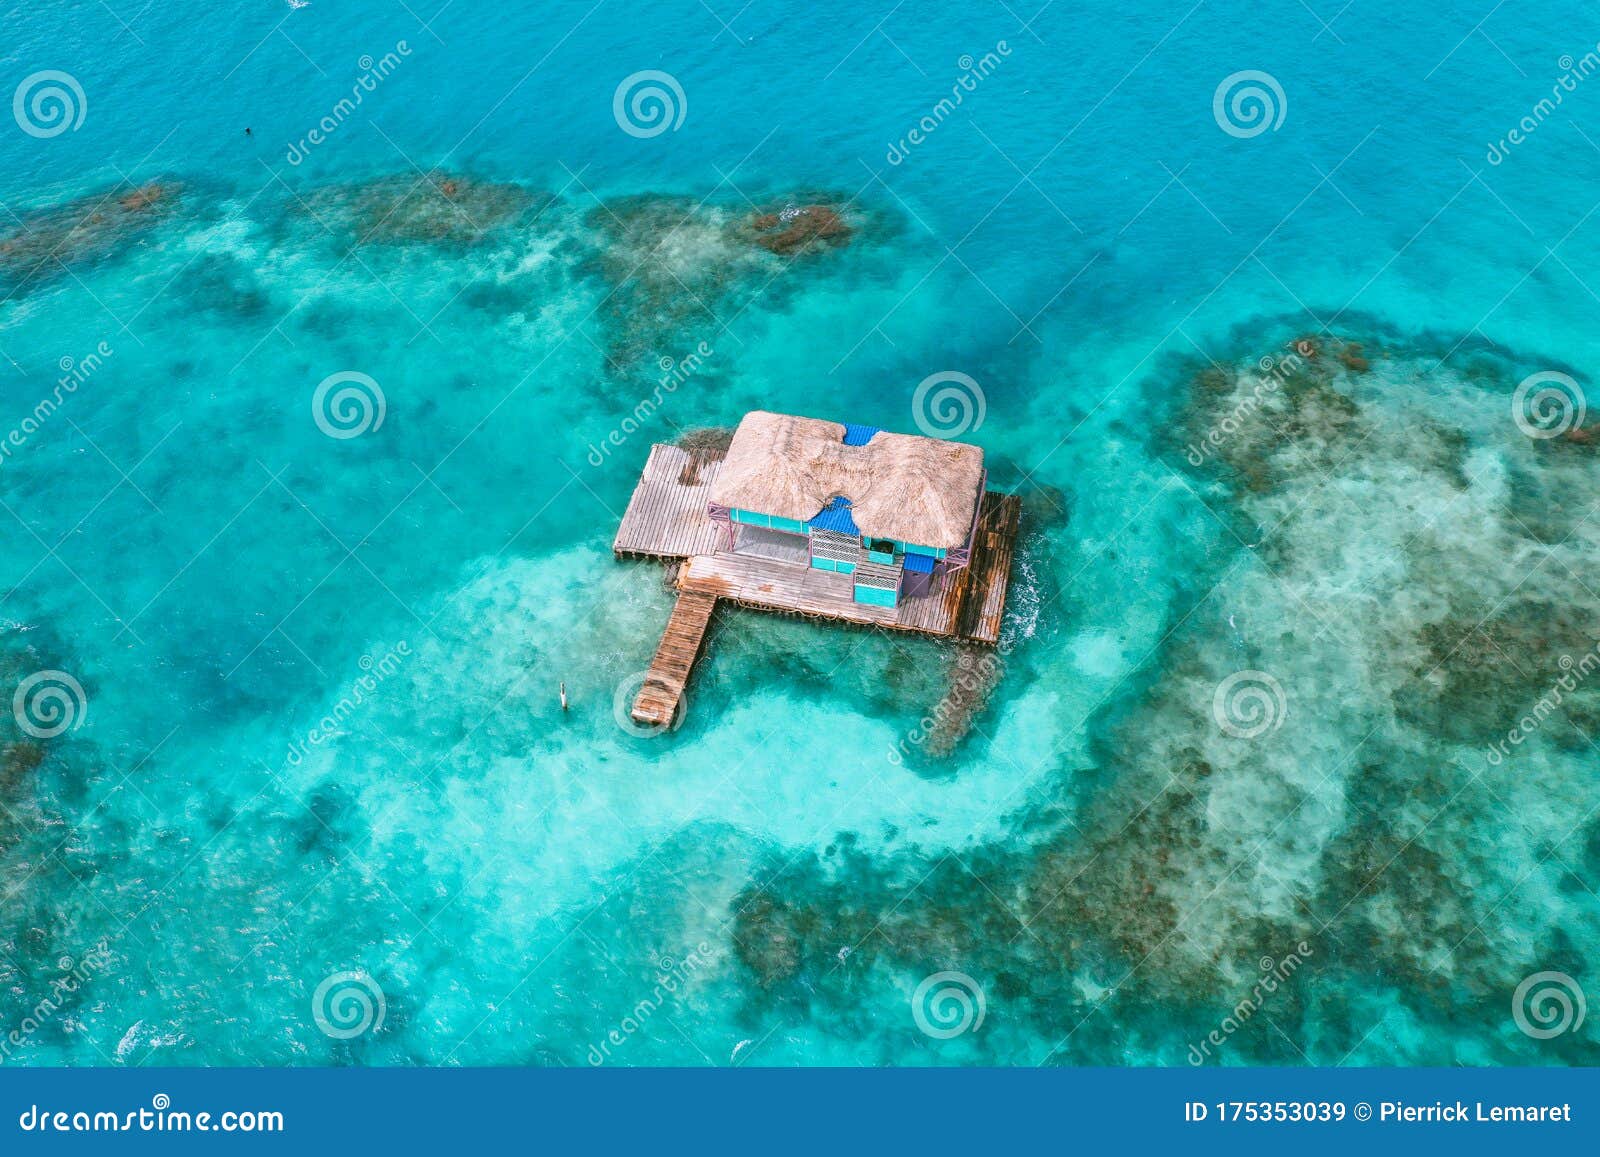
18 762
677 267
799 228
46 242
668 264
1353 359
223 285
435 208
973 673
767 940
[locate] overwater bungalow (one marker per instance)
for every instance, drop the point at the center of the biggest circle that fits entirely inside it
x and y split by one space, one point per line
892 511
824 519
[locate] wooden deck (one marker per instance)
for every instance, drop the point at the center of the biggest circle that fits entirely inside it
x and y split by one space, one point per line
666 519
981 603
658 698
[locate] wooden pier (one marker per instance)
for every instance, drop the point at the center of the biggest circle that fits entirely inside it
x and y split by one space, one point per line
662 691
666 520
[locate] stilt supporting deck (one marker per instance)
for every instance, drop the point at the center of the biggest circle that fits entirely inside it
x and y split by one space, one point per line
662 691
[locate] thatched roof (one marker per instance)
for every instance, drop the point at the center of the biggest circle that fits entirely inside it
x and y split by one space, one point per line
900 486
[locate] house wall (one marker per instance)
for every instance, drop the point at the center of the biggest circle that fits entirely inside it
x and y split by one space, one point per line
876 596
769 521
773 522
829 564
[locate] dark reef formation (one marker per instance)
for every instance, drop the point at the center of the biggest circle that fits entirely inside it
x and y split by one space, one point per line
795 229
44 784
435 208
1190 862
46 243
678 269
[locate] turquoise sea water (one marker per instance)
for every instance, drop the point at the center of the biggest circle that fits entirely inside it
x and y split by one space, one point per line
318 734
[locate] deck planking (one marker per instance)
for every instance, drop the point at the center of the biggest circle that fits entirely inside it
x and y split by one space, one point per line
662 691
982 603
666 517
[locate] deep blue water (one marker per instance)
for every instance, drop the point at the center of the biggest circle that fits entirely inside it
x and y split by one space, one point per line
1392 559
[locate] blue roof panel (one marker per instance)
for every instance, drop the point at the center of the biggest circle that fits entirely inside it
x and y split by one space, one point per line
859 435
835 516
919 563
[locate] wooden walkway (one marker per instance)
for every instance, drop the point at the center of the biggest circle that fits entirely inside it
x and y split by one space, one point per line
662 691
666 517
